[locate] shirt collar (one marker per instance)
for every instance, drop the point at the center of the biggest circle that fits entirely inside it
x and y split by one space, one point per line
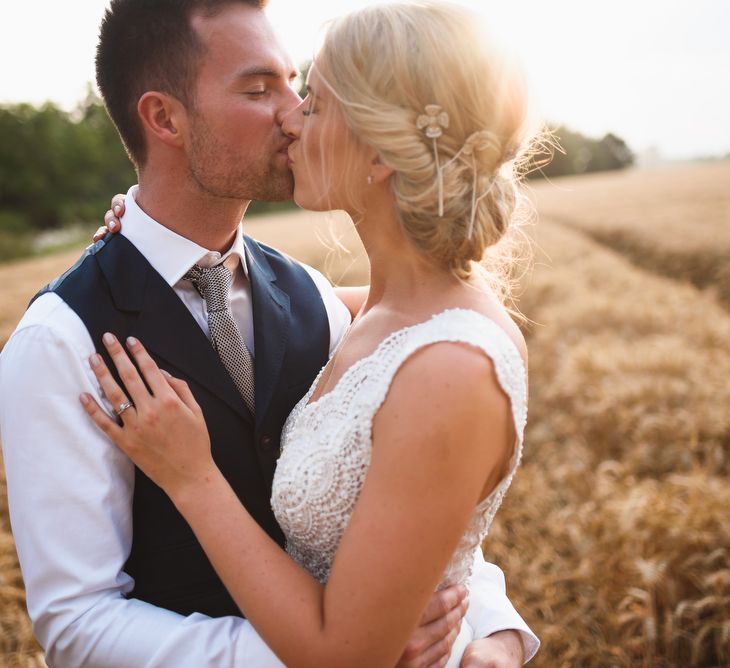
170 254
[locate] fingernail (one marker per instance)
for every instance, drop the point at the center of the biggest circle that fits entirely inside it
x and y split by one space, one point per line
85 399
108 339
165 373
132 342
112 226
116 209
95 360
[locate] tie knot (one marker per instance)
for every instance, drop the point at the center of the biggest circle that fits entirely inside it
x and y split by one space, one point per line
213 284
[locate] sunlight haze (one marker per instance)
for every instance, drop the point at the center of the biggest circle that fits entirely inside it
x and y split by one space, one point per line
655 73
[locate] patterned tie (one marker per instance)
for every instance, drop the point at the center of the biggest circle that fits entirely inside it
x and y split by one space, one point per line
214 284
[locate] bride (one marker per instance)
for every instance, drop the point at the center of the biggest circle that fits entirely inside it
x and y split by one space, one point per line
409 437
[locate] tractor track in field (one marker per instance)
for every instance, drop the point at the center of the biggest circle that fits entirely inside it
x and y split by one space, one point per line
711 274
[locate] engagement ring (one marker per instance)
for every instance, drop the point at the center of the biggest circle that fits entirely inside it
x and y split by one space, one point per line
123 407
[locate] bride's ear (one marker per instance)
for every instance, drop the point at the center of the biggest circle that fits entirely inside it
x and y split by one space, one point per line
379 172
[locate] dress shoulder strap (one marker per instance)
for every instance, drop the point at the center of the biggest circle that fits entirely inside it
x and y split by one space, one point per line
462 326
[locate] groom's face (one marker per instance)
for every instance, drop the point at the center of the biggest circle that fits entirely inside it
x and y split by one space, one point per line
236 147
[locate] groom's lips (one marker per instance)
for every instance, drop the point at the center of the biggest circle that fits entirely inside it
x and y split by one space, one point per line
284 150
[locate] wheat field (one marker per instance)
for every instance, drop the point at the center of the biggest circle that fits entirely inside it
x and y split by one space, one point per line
615 536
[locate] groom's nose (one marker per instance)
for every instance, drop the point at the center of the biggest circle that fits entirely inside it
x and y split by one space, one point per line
292 121
289 104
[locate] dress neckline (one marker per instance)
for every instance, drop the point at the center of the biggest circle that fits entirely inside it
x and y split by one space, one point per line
306 400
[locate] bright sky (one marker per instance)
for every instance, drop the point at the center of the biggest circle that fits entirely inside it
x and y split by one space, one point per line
655 72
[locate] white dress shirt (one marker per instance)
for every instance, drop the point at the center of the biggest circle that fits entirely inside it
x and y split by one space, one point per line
70 489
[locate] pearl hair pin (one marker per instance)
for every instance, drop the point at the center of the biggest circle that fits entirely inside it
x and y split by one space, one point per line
433 123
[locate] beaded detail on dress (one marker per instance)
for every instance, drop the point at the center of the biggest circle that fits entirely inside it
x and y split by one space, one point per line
326 445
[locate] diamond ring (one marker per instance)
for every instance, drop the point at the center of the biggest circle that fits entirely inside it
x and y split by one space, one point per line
123 407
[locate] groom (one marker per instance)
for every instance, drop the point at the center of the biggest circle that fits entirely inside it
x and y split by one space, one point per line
114 576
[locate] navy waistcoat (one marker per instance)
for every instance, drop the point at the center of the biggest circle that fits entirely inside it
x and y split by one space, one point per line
114 288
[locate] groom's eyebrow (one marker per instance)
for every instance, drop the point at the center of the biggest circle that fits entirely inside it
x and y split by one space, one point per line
258 71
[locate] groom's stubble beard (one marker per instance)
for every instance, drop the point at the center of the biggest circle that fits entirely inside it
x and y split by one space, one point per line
220 171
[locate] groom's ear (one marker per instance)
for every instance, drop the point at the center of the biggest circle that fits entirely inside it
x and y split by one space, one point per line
163 116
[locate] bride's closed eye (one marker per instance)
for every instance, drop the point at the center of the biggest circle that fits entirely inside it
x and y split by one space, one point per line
309 103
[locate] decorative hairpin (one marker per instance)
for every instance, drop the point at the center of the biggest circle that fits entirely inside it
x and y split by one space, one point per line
435 120
481 138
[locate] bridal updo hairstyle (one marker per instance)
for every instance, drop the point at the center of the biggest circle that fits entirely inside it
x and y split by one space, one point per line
387 63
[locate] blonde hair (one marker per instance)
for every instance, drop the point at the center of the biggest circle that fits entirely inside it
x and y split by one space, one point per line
385 64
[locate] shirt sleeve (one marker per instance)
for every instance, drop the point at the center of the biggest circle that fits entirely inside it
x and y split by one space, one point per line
489 608
70 494
337 313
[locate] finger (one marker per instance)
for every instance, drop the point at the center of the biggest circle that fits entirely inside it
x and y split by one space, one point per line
118 205
127 372
112 222
437 637
109 387
100 418
438 654
443 602
182 390
100 233
442 632
150 371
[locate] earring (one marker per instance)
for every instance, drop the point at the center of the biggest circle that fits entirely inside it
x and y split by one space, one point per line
370 180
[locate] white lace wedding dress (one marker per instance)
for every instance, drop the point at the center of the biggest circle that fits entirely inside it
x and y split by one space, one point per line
326 445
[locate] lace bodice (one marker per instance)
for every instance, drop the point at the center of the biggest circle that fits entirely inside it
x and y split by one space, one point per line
326 444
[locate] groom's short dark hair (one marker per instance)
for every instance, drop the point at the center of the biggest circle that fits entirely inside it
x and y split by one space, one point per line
149 45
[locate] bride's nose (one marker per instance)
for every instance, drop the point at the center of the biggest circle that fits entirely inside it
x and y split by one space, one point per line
292 122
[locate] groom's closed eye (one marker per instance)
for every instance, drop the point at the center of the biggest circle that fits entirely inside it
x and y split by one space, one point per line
257 73
258 82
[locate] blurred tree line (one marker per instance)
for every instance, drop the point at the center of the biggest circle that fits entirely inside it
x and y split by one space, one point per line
570 152
61 168
57 168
